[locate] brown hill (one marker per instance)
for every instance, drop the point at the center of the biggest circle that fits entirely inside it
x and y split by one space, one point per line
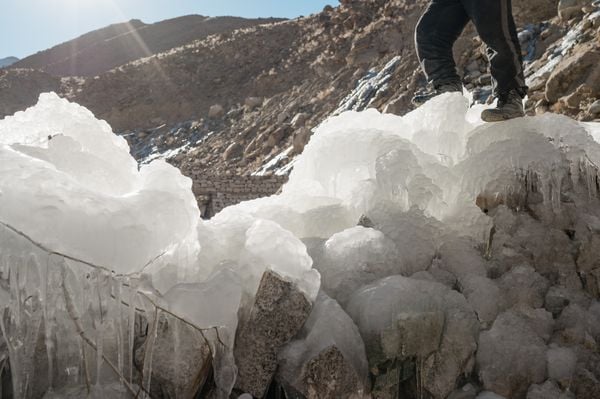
104 49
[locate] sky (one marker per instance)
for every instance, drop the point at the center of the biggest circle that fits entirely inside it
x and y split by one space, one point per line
28 26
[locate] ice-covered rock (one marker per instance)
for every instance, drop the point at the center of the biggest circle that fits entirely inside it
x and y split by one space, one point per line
523 286
561 365
547 390
327 359
511 356
401 318
485 297
356 257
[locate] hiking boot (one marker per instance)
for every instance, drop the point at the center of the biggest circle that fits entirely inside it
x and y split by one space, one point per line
510 106
450 87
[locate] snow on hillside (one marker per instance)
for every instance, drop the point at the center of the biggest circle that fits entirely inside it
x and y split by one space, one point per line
85 234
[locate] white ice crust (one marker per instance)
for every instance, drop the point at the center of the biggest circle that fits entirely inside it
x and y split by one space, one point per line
68 183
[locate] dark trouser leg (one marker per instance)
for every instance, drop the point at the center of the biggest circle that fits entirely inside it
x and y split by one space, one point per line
436 32
496 27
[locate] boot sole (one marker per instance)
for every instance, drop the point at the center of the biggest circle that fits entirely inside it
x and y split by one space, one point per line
499 118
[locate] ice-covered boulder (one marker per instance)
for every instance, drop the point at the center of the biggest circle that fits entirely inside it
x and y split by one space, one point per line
511 356
327 359
561 365
547 390
485 297
523 286
356 257
401 319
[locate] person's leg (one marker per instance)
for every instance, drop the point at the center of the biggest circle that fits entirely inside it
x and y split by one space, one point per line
495 24
437 30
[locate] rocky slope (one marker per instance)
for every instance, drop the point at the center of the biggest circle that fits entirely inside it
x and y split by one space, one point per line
104 49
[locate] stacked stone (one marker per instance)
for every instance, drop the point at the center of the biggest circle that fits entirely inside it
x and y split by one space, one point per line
218 192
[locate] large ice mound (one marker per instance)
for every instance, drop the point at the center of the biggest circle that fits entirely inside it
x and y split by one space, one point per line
70 184
92 246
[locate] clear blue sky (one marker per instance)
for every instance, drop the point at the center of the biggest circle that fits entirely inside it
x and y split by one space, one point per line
28 26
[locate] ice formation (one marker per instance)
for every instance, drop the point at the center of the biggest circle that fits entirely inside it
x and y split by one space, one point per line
93 248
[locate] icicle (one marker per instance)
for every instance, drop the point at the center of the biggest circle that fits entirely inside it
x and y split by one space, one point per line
150 341
48 311
120 340
99 331
131 325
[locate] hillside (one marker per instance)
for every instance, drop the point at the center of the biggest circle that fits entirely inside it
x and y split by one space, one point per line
8 61
104 49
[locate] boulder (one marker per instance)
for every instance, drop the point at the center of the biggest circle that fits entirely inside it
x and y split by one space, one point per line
279 311
216 111
511 356
300 139
583 66
252 103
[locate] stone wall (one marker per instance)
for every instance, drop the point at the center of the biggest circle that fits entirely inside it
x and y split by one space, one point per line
215 192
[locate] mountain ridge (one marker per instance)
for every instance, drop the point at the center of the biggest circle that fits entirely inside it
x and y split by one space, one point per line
103 49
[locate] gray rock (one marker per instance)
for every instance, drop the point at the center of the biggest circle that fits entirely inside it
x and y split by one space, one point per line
511 356
216 111
279 311
181 359
253 102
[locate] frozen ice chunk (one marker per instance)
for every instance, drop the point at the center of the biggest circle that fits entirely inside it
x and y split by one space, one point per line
269 245
356 257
